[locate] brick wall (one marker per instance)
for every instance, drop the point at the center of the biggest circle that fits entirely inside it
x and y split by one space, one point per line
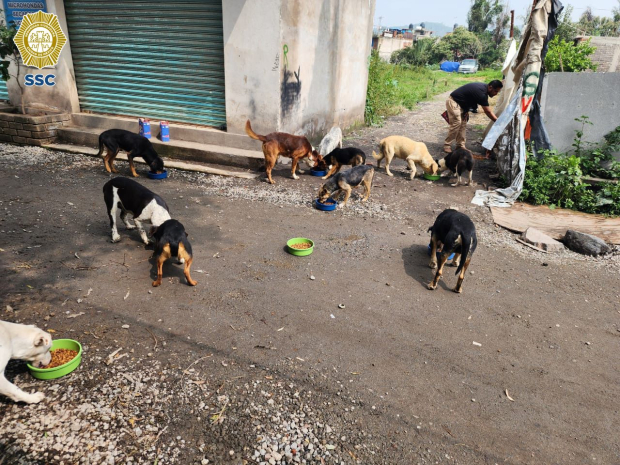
30 130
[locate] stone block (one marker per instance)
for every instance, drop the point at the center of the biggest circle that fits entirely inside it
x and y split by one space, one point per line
19 140
541 240
6 138
43 134
4 124
16 125
23 133
10 131
585 244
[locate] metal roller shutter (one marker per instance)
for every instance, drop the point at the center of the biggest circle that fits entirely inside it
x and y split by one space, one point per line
162 59
4 95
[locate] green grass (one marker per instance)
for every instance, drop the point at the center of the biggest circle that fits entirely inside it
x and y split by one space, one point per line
393 89
417 85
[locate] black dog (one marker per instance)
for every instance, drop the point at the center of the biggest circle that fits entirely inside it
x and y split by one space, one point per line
346 181
453 231
132 197
115 140
171 241
458 161
339 157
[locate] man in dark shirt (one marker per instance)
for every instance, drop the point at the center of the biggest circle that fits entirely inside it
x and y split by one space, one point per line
460 102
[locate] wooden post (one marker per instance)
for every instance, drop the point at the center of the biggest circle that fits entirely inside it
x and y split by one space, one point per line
512 23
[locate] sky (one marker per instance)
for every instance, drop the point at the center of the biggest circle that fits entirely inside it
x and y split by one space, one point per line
401 12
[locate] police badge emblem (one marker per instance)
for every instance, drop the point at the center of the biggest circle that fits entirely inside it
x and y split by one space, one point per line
40 39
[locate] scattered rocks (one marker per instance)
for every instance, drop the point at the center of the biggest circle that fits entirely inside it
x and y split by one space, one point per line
585 243
541 240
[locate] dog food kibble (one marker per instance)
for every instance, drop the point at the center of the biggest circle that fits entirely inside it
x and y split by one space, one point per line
60 357
301 246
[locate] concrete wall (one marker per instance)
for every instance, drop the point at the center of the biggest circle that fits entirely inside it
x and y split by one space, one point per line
61 97
296 66
325 73
252 50
567 96
387 45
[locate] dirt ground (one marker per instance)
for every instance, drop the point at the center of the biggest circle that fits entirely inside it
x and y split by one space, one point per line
343 356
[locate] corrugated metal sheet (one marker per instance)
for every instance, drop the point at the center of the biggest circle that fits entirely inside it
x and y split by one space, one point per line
162 59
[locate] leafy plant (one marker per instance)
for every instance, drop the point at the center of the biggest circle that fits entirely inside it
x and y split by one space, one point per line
559 179
381 92
9 53
579 132
566 57
8 49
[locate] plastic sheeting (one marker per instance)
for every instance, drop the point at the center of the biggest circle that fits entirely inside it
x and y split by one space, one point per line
519 98
508 134
449 66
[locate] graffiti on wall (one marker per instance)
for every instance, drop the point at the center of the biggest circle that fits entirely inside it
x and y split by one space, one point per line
530 84
290 87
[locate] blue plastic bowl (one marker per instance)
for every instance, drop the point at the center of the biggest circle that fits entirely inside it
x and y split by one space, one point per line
428 251
314 172
328 206
152 175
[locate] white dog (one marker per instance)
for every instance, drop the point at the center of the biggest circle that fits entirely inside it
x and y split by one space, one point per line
332 140
23 342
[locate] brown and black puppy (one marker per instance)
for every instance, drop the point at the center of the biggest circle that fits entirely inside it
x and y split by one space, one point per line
346 181
339 157
171 241
458 162
115 140
287 145
453 231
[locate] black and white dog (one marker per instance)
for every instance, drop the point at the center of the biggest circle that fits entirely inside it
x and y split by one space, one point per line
458 162
131 197
22 342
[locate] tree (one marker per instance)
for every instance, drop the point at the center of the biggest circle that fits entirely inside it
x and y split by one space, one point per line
564 56
459 44
502 19
481 14
418 54
593 25
566 30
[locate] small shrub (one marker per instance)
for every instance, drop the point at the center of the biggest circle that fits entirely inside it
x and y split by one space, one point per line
381 98
557 179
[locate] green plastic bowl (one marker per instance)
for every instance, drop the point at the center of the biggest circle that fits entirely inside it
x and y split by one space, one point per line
299 252
62 370
432 177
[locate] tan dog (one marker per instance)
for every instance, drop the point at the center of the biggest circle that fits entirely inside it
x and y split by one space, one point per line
22 342
410 151
287 145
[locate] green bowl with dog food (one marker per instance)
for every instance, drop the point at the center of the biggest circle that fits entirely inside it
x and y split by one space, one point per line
66 357
300 246
432 177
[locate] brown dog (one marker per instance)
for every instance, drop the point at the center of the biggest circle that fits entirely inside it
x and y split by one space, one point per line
287 145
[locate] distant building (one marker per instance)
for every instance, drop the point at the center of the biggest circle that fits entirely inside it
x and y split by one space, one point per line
388 40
